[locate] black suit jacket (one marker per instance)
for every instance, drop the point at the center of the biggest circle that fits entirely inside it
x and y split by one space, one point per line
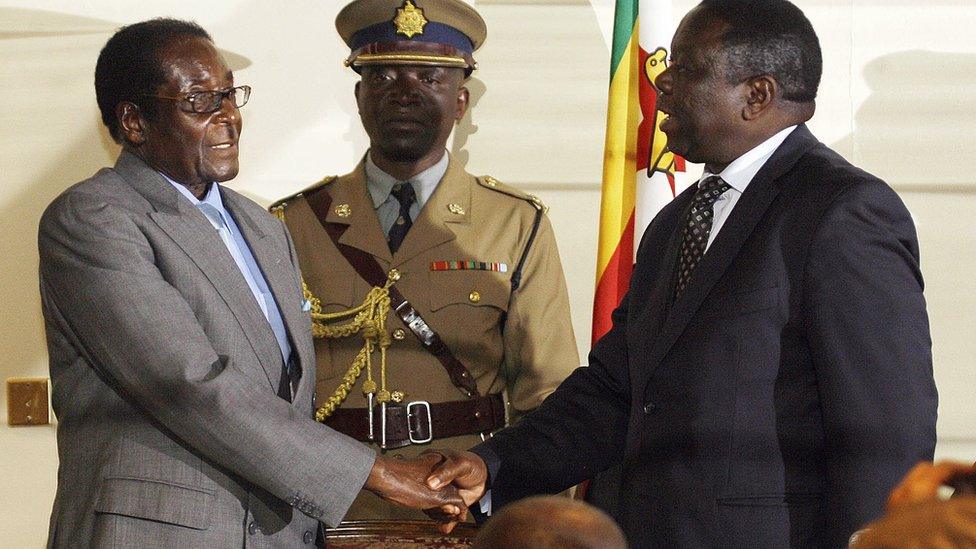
779 398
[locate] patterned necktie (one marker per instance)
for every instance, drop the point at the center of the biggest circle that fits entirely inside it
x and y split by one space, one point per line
406 196
697 227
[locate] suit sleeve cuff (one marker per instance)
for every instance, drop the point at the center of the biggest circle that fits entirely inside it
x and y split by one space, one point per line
492 462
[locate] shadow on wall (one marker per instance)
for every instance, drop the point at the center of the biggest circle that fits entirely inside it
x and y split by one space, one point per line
53 137
917 125
466 126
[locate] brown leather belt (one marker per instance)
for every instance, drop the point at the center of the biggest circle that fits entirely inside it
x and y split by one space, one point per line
419 422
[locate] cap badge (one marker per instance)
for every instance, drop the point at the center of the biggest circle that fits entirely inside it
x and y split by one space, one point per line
409 20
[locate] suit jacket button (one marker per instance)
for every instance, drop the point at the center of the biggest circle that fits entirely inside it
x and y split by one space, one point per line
309 537
399 334
253 528
649 408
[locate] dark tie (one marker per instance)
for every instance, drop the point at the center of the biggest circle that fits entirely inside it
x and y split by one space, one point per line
697 227
291 373
405 195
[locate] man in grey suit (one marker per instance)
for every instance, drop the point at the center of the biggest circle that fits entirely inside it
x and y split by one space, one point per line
180 350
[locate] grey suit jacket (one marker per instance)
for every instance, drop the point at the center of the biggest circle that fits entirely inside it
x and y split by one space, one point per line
165 371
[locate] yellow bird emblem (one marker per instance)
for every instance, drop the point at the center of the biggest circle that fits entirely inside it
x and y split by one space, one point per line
660 158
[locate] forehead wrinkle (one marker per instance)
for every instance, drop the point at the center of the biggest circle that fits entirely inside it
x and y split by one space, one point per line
193 61
199 74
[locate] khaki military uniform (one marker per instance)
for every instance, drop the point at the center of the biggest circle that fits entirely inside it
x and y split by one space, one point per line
519 342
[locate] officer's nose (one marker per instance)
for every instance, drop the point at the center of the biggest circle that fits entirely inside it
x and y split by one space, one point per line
405 90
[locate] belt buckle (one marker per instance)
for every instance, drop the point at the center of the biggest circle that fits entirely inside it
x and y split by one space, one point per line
420 405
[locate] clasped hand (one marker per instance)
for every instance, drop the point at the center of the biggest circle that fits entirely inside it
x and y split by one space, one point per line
442 483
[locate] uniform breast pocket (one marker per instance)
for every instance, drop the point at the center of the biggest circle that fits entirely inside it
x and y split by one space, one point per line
335 293
475 299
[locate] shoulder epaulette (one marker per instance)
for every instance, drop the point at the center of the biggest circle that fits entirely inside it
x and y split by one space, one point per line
279 205
490 182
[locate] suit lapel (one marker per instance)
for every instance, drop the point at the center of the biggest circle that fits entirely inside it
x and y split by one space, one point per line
660 275
453 194
741 223
194 234
277 271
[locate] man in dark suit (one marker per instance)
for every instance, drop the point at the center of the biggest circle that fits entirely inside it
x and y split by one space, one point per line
768 377
181 355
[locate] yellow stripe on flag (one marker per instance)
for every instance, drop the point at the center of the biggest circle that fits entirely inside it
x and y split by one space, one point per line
620 156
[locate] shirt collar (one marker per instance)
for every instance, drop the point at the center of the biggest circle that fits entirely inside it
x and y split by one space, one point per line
212 197
424 183
740 172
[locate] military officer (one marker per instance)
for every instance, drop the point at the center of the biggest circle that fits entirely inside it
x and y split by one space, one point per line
438 298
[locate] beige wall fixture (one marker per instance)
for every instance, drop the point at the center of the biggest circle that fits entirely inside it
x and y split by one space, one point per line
27 402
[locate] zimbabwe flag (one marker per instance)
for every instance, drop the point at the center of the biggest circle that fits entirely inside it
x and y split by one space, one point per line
638 174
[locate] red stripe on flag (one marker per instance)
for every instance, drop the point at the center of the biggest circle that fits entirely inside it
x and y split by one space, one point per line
614 282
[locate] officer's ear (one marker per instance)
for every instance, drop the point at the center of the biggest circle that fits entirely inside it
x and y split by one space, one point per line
132 125
463 97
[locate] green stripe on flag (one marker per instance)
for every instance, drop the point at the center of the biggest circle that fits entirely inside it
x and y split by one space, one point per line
624 18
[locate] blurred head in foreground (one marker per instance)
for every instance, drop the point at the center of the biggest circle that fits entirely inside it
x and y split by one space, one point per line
549 522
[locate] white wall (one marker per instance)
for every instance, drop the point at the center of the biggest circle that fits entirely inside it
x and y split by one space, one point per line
898 99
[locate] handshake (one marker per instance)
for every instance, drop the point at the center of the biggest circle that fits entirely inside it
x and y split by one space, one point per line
442 483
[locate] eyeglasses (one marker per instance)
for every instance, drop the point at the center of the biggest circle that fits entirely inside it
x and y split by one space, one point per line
205 102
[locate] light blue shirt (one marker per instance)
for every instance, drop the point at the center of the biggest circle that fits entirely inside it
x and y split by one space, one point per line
212 206
380 184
